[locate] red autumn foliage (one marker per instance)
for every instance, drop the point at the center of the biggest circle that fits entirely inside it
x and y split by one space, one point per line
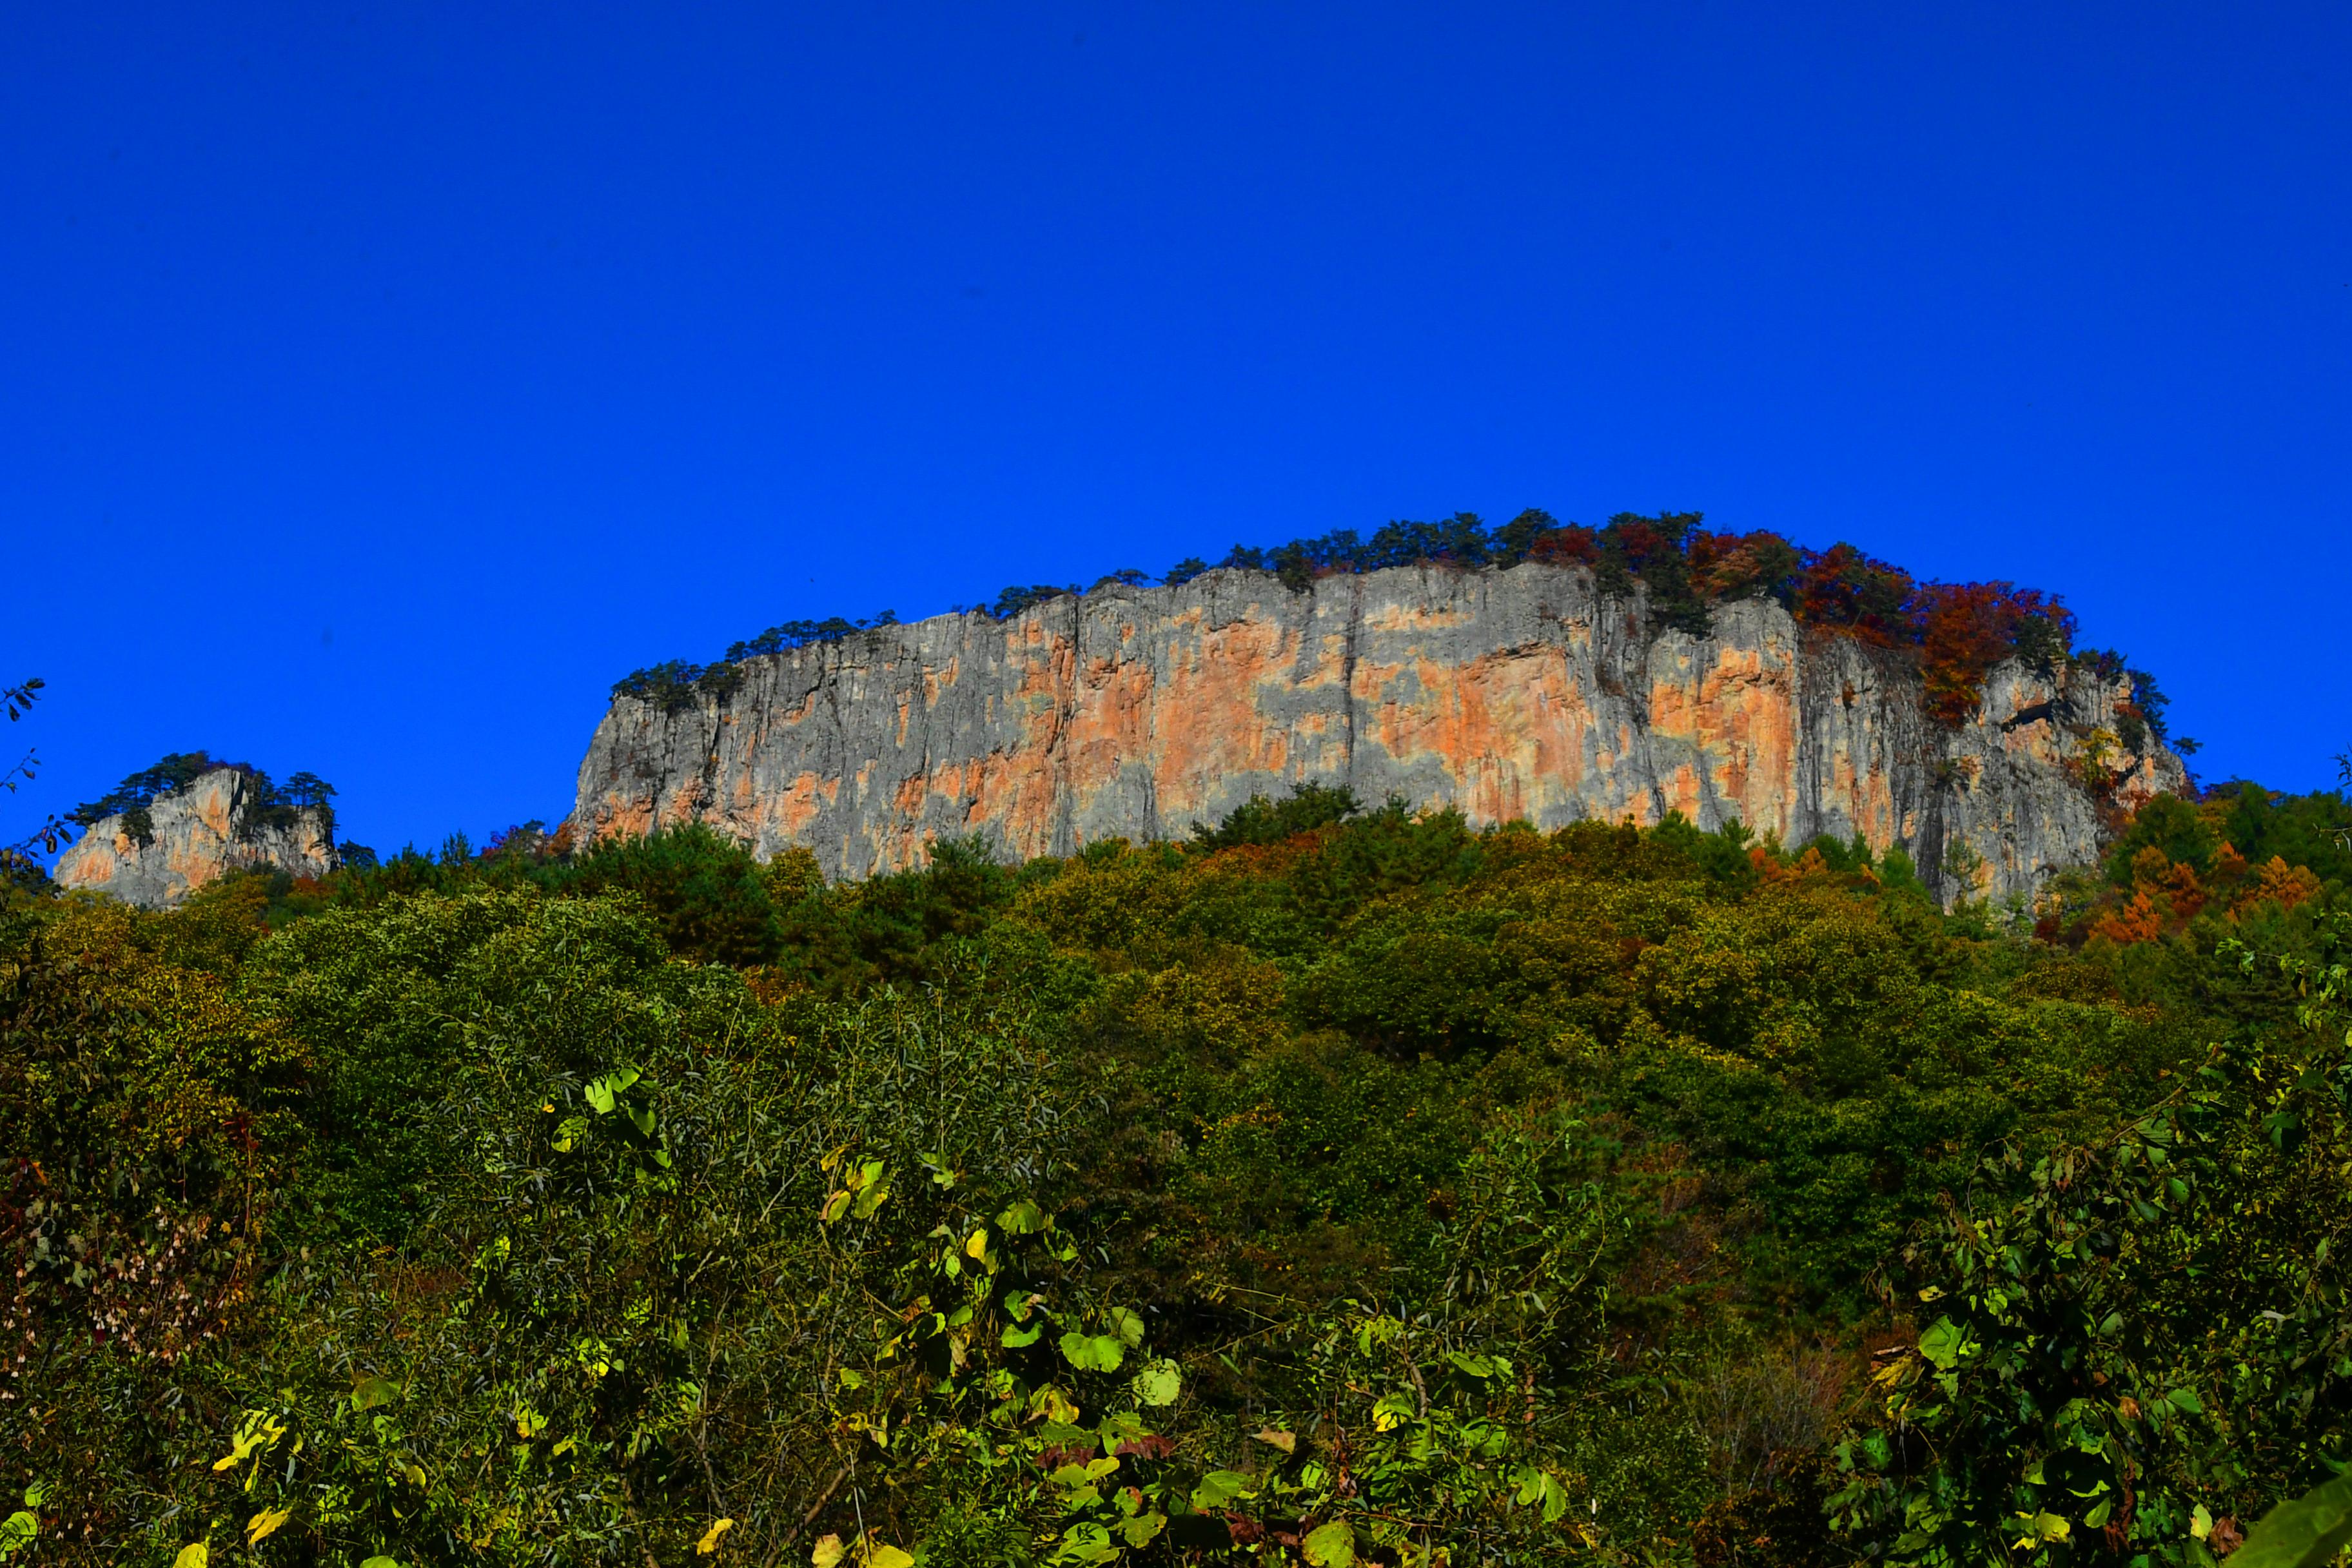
1843 588
1965 629
1573 545
1735 565
1962 630
1647 543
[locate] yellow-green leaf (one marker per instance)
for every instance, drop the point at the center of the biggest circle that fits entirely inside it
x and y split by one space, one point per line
827 1551
1331 1545
1219 1488
1158 1382
1946 1344
1092 1353
1021 1217
194 1554
263 1523
709 1541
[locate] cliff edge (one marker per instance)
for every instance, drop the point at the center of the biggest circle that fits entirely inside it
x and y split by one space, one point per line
214 825
1519 694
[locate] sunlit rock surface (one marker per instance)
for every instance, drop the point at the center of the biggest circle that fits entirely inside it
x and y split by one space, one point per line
196 836
1519 694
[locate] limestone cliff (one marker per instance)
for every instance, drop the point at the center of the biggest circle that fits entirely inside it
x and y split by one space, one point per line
1519 693
194 836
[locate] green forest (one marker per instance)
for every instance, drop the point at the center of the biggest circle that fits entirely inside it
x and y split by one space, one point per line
1343 1185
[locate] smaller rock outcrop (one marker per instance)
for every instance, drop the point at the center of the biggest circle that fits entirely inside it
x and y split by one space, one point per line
222 820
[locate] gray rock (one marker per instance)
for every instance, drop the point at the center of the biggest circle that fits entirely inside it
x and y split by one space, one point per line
1523 693
196 836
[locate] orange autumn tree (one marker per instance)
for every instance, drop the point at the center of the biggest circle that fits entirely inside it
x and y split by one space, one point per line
1966 629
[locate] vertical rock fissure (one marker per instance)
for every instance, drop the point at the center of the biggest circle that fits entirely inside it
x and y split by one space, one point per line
1065 830
1348 646
919 713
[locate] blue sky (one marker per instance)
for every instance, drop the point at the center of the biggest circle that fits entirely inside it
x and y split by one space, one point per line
383 382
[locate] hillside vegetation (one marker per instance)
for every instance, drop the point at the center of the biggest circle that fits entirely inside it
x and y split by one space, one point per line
1345 1186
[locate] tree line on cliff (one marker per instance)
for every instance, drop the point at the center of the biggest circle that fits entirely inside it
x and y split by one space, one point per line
1959 632
1342 1186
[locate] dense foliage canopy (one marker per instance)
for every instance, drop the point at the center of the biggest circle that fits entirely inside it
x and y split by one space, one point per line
1343 1185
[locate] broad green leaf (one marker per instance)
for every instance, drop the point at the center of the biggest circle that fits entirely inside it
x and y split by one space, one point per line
1946 1344
1060 1433
1092 1353
381 1563
368 1391
869 1200
2186 1399
1219 1488
1539 1486
1143 1528
604 1093
1158 1382
1274 1437
1021 1217
194 1554
1086 1542
2305 1533
1127 1324
1331 1545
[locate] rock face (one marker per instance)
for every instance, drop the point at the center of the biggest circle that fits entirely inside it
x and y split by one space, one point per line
195 835
1519 694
